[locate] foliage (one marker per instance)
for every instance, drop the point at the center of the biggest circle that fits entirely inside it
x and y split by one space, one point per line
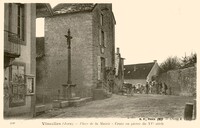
189 61
170 63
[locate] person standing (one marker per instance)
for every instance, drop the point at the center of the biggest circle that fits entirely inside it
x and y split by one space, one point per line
165 89
147 88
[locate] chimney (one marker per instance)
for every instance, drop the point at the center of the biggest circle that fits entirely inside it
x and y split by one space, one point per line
155 61
117 50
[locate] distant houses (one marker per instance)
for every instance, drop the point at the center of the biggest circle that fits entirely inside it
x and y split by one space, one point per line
139 74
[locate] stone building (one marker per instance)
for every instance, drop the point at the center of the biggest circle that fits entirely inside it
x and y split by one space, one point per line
20 58
119 71
92 29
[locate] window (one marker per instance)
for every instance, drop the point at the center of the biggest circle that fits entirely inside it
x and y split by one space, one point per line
102 38
17 84
101 68
101 19
17 22
103 63
20 21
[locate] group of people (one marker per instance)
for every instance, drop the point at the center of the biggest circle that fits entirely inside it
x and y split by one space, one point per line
156 87
150 88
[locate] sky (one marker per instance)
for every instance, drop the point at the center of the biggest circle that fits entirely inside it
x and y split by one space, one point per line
148 30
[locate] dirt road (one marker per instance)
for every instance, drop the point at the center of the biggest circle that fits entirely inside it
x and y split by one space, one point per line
118 106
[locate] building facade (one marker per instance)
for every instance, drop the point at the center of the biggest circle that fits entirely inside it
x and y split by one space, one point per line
92 29
19 59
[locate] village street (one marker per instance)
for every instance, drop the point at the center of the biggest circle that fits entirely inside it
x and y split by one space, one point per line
119 106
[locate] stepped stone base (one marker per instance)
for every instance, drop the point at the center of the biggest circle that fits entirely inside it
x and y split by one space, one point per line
57 103
73 102
64 104
39 109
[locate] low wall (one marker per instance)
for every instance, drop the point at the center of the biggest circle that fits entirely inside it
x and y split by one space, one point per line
180 82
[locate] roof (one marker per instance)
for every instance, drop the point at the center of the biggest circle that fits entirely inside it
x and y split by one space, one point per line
43 10
39 47
71 8
137 71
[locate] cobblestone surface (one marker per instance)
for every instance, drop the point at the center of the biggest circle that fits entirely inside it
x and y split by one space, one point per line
118 106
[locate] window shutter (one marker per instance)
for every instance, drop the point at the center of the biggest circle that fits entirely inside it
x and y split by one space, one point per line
23 22
99 67
105 39
10 18
14 18
106 59
99 36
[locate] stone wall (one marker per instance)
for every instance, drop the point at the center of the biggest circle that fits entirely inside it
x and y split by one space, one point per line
180 82
52 68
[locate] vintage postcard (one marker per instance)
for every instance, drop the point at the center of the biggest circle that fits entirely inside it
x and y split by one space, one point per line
100 63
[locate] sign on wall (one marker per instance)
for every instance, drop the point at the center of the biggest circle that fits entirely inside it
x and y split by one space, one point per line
30 83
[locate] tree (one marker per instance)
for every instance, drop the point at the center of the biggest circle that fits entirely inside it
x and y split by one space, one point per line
170 63
189 61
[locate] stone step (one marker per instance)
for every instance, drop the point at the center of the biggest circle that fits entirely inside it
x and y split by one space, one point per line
64 104
57 104
73 102
39 109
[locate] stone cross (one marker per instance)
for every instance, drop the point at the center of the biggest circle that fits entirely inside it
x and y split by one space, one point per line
69 87
69 37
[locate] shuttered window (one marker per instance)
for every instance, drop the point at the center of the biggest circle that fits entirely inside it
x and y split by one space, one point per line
100 37
101 19
105 39
20 21
17 21
106 59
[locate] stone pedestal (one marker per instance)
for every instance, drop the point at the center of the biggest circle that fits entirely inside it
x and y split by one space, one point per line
68 91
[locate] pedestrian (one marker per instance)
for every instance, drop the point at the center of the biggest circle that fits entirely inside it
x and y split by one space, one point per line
132 89
157 87
160 88
165 89
147 88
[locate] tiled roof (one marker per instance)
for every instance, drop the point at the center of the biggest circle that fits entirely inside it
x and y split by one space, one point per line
39 47
71 8
43 10
137 71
